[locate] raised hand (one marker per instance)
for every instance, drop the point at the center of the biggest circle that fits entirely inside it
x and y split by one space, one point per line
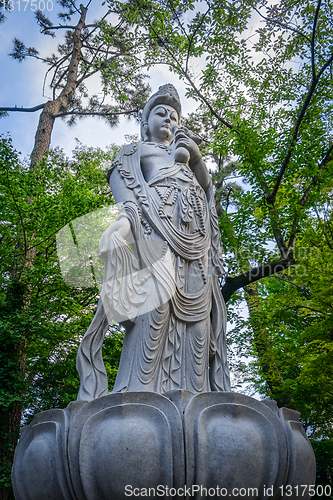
183 140
195 161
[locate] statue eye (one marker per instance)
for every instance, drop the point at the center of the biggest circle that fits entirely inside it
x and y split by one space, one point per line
160 111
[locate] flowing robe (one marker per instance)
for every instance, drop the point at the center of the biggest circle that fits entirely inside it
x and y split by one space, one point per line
167 293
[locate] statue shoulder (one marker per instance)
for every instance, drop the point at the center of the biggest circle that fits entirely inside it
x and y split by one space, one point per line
127 150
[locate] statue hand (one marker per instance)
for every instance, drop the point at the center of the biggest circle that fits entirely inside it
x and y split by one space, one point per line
196 163
184 141
121 226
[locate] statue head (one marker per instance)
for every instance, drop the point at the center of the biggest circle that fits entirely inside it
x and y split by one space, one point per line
166 97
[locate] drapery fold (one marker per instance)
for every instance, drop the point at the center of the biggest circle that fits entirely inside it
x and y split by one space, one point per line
165 288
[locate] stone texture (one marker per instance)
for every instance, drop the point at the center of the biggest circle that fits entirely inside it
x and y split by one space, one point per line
91 451
129 438
41 469
235 441
302 463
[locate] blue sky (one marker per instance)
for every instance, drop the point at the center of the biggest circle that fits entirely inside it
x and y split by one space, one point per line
21 85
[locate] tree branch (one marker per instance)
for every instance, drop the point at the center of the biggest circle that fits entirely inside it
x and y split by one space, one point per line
56 84
302 201
199 94
75 8
192 38
306 307
313 41
95 113
278 236
56 65
286 26
253 275
325 66
24 110
272 196
179 21
179 69
67 27
89 63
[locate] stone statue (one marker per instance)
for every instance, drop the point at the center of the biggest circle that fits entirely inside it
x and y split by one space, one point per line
171 423
164 288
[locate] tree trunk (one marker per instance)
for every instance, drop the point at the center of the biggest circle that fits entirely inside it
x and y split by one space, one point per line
52 108
270 370
44 131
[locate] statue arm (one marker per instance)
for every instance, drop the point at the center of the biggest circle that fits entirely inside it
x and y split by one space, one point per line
198 167
121 227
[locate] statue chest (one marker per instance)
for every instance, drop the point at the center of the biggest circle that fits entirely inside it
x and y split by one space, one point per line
154 158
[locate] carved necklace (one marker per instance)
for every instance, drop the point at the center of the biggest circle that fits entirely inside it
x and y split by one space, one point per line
161 146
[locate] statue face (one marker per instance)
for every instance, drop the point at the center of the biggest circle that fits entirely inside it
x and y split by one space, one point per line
160 121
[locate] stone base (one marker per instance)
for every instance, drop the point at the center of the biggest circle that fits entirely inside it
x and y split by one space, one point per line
120 445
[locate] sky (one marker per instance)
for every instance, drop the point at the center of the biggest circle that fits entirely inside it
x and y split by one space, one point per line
21 85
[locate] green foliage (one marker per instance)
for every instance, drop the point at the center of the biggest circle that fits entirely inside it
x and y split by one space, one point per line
296 312
111 352
42 317
297 309
324 462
